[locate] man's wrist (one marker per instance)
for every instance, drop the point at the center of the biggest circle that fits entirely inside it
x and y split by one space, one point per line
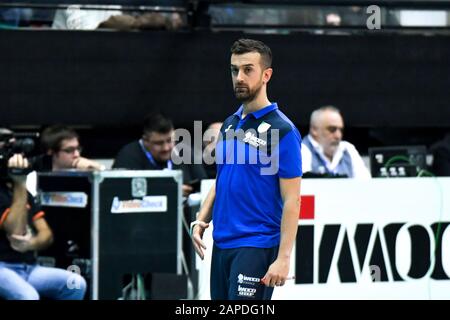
20 185
193 224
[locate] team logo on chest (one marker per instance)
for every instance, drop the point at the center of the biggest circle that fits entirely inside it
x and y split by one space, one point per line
263 127
253 140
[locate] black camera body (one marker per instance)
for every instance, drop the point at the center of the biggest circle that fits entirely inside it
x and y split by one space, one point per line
23 143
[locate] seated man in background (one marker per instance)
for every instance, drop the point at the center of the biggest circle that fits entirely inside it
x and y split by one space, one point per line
154 151
323 150
23 232
63 145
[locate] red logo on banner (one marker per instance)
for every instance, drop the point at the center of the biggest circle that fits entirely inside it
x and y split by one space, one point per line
306 207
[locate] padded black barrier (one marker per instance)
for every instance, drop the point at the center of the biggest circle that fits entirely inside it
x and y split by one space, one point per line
109 242
114 78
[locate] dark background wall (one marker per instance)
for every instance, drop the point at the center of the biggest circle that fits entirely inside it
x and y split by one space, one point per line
391 88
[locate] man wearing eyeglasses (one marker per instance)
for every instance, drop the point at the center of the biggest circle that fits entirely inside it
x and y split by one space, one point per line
63 144
325 153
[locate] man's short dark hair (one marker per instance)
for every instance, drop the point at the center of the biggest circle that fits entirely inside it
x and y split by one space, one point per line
52 137
157 122
242 46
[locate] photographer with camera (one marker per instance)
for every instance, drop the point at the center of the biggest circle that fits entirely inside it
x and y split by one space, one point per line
23 232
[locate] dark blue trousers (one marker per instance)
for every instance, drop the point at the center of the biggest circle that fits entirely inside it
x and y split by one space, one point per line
236 273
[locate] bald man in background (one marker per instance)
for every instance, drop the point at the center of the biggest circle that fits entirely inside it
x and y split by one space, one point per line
323 150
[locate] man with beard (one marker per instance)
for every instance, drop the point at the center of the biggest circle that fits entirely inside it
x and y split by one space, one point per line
153 151
325 153
254 207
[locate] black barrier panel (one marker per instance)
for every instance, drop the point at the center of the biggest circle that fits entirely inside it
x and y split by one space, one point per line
135 242
113 225
70 226
114 78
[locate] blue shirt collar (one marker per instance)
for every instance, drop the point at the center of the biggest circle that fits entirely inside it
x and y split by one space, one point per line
257 114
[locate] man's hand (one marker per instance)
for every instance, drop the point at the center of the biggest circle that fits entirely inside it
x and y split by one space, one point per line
187 190
16 220
21 243
86 164
277 273
18 161
197 236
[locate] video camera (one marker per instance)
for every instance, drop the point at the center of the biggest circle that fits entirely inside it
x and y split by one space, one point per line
24 143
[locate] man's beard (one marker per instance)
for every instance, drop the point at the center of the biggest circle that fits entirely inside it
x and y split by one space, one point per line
244 94
332 149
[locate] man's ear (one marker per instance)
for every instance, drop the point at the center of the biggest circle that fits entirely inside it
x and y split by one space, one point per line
267 74
313 132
